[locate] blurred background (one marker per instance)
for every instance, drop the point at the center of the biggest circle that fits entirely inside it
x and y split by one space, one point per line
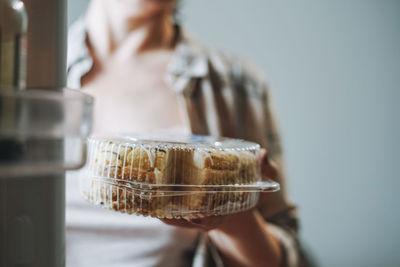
334 71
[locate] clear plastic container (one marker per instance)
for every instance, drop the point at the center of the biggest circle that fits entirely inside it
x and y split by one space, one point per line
43 131
173 177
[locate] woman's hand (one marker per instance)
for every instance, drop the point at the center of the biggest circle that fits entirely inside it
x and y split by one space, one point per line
242 238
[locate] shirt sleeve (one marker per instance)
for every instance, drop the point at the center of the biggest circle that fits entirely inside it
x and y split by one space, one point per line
258 121
252 118
279 213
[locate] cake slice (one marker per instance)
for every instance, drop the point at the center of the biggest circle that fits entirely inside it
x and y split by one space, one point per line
134 163
216 168
118 167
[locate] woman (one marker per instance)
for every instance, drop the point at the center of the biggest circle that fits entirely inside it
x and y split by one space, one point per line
147 74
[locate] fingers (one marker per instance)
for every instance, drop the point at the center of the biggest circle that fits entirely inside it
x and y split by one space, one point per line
264 156
178 222
206 224
268 167
269 170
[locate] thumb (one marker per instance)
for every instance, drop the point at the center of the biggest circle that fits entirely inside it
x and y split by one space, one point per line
269 169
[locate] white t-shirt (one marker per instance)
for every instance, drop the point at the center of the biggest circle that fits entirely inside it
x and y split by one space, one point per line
130 96
98 237
138 101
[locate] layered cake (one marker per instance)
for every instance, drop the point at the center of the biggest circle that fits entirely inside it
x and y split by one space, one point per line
169 180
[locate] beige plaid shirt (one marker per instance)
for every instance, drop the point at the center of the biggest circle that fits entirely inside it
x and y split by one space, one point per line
223 96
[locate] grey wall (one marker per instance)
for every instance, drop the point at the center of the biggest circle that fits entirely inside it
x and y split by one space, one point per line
334 68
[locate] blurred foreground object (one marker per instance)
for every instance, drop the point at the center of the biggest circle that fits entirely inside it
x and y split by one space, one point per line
42 133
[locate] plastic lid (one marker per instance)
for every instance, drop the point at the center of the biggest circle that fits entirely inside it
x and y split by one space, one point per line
175 160
189 174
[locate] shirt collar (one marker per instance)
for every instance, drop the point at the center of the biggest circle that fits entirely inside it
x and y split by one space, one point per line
189 58
189 62
77 48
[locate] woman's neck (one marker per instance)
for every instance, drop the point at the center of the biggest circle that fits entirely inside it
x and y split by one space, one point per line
111 33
